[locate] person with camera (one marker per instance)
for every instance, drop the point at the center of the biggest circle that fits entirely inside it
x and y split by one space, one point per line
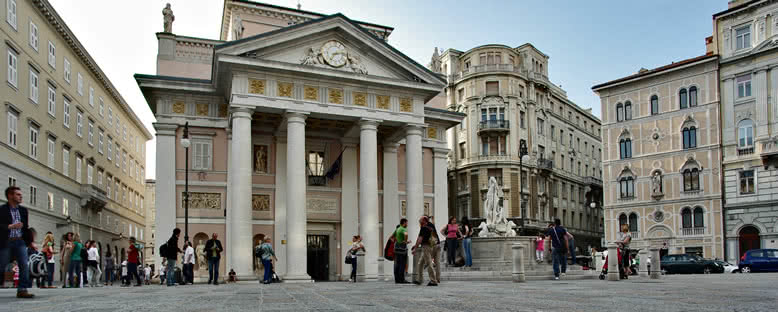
15 237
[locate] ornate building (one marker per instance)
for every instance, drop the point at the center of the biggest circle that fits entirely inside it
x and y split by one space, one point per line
661 164
512 106
70 142
303 127
745 39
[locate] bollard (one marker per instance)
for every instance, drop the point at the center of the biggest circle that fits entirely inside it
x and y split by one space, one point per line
643 257
613 262
380 276
656 264
518 263
361 266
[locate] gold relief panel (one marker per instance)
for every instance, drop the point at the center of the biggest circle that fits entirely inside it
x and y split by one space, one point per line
432 133
405 105
311 93
179 107
223 110
336 96
198 200
360 99
382 102
260 202
285 89
256 86
201 109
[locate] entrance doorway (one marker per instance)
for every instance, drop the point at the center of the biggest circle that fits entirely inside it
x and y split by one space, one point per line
749 239
319 257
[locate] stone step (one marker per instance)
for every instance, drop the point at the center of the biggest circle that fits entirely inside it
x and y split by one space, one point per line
506 276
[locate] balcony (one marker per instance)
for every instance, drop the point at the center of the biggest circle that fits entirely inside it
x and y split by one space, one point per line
315 180
590 180
487 68
545 164
93 197
745 151
693 231
635 235
494 125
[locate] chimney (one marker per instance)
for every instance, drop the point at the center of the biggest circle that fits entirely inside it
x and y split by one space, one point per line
734 3
167 48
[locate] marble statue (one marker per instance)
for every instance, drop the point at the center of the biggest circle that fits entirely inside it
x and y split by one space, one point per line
656 183
168 18
356 64
435 61
260 158
202 264
484 230
493 209
237 28
510 232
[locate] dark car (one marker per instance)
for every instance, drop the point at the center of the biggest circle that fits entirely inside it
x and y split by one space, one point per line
674 264
759 260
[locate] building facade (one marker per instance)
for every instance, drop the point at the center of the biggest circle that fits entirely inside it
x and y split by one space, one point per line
306 128
71 142
510 102
745 36
661 164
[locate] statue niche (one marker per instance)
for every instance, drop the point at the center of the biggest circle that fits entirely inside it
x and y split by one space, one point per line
260 158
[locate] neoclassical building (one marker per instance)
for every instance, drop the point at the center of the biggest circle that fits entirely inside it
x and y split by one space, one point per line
509 101
661 161
70 141
306 128
745 37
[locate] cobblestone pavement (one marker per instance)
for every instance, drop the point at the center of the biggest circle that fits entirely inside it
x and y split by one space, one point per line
718 292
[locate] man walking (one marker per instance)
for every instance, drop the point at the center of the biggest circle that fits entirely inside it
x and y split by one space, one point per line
189 263
435 247
133 259
15 237
213 249
558 246
401 251
171 253
425 242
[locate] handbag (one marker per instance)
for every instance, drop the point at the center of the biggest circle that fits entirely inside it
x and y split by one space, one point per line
389 250
348 259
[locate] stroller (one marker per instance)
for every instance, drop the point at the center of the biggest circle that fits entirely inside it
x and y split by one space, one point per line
604 271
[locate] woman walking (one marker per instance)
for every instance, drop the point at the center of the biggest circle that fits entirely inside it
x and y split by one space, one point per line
467 244
48 251
356 246
452 239
623 239
64 261
75 263
267 257
108 259
93 259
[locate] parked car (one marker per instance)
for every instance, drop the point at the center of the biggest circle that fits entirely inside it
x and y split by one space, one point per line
673 264
759 260
728 267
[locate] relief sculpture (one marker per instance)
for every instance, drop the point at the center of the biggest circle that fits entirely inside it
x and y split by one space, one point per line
198 200
260 202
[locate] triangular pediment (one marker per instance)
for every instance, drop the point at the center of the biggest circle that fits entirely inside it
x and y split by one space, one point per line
331 43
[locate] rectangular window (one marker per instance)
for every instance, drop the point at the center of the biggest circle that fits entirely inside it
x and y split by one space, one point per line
92 96
51 153
79 162
124 161
79 123
100 141
89 171
65 210
100 179
492 88
33 85
50 202
461 95
743 86
33 196
52 55
124 133
109 148
561 136
118 122
743 38
34 36
108 186
90 133
484 146
13 65
553 133
11 181
66 69
52 101
110 116
101 106
132 168
202 154
66 161
11 15
118 155
747 182
66 112
541 126
522 120
13 119
80 84
33 142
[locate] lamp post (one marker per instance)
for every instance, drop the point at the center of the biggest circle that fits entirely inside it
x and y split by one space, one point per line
185 142
522 153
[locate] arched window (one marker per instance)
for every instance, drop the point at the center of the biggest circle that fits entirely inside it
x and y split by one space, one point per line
619 112
627 110
698 217
627 187
686 218
682 99
689 137
633 222
745 137
625 148
691 179
622 220
654 105
692 96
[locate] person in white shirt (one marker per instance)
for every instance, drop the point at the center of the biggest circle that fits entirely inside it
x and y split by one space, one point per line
93 270
189 263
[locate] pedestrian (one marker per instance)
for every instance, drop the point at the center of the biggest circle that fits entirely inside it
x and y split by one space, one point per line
540 243
147 275
64 261
162 269
213 249
453 235
401 251
75 277
133 260
426 242
571 243
35 261
267 255
171 253
467 244
435 248
48 251
623 239
125 275
15 237
356 246
93 259
558 247
188 263
108 265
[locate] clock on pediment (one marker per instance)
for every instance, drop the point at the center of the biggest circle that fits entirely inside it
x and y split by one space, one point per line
334 53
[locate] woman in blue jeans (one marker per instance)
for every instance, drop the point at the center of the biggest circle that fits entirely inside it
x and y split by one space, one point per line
75 262
467 244
267 256
48 251
356 246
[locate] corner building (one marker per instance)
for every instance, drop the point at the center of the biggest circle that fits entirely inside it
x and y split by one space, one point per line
71 142
509 102
306 128
661 164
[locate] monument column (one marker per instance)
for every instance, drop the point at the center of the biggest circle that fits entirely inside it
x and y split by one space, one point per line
368 195
440 180
414 183
390 198
296 220
239 246
165 186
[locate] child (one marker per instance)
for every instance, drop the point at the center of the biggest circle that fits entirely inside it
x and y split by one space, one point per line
125 278
232 277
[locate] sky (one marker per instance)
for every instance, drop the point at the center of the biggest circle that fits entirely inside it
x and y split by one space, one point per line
588 42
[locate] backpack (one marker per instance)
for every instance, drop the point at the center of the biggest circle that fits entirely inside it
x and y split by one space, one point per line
389 249
84 254
163 250
259 252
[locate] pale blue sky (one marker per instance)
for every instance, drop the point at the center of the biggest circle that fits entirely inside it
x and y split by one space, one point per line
588 42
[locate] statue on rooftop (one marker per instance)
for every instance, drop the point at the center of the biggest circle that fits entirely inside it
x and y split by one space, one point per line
168 18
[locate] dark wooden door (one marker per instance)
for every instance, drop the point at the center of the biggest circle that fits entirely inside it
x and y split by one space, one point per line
319 257
749 239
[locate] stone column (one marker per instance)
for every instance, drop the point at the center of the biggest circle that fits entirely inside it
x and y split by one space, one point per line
760 92
440 180
390 199
414 183
279 211
643 269
165 186
349 207
239 247
296 219
518 262
613 262
656 264
368 195
228 236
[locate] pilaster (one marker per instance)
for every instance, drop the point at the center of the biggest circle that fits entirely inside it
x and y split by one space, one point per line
760 90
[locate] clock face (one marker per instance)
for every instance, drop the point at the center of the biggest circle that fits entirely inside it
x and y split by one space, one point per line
334 53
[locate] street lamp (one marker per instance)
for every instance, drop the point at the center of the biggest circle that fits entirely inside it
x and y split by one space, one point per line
185 142
522 153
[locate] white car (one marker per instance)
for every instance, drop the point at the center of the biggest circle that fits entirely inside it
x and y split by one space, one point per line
729 268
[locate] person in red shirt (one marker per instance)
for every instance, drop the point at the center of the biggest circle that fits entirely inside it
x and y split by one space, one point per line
133 261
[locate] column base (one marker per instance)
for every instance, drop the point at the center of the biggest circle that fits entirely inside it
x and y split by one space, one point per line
519 278
295 279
